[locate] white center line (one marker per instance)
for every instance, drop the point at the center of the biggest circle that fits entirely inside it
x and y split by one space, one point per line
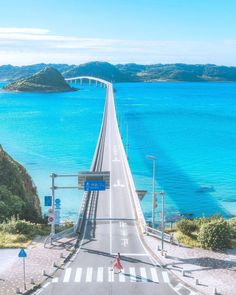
100 274
67 275
78 275
89 274
132 274
143 274
165 277
154 275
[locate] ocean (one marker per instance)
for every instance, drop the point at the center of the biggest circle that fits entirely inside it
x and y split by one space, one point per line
189 127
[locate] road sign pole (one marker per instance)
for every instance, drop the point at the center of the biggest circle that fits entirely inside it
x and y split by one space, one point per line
53 175
24 272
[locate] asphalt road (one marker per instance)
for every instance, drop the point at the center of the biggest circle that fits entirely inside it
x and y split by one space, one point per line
111 228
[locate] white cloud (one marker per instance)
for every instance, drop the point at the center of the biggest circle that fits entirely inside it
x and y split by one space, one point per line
32 45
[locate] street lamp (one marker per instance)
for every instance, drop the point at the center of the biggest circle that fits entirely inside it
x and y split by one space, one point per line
154 203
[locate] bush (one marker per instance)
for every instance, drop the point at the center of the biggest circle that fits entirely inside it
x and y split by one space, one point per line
186 226
16 226
215 235
232 225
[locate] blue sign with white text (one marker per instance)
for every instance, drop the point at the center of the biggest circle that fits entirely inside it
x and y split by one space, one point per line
48 201
94 186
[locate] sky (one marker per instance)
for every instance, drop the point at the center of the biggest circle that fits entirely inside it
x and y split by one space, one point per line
118 31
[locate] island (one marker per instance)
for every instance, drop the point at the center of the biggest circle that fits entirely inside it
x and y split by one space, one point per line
46 80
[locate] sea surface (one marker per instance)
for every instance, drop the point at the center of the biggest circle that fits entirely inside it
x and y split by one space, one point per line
189 127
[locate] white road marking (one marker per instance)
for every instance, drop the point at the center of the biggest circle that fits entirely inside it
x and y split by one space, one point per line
124 242
122 276
78 275
165 277
67 275
143 274
55 280
154 275
122 224
89 274
116 160
132 274
124 233
118 184
110 275
100 274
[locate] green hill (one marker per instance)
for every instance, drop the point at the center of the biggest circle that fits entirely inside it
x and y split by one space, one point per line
46 80
18 194
129 72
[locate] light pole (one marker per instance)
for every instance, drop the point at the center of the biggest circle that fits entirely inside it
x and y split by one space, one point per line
154 203
162 222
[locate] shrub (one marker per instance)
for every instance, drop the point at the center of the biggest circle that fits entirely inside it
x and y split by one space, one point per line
232 225
186 226
16 226
215 235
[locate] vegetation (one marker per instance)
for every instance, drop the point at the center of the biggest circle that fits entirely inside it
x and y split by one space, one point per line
18 194
128 72
215 235
187 227
213 232
47 80
17 233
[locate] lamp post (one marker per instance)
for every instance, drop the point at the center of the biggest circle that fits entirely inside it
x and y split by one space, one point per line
154 204
162 222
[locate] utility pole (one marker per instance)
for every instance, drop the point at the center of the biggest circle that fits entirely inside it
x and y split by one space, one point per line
162 222
154 202
53 175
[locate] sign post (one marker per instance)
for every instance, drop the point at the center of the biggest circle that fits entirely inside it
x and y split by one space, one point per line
22 254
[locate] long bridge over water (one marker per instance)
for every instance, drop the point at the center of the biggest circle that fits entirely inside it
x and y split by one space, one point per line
111 221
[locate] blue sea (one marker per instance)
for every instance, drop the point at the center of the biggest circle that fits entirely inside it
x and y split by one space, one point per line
189 127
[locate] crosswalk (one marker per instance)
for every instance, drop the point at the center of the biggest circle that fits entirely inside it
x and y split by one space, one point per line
104 274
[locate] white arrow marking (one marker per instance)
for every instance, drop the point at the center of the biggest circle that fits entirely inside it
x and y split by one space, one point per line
118 184
124 242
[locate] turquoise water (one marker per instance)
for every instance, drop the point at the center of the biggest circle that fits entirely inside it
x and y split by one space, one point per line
189 127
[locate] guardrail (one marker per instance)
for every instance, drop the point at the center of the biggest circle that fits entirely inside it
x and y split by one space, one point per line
158 234
65 233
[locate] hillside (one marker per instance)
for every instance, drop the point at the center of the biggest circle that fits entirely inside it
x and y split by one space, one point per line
18 194
46 80
130 72
103 70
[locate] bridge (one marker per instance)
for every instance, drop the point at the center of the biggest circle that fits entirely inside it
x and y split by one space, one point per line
110 221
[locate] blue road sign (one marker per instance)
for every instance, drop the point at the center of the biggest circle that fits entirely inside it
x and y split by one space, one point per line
48 201
58 203
22 253
94 186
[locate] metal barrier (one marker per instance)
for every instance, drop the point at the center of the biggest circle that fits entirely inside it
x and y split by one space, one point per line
158 234
64 233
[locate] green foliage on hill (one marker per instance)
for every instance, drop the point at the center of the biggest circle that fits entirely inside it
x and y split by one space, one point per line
18 194
129 72
47 80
